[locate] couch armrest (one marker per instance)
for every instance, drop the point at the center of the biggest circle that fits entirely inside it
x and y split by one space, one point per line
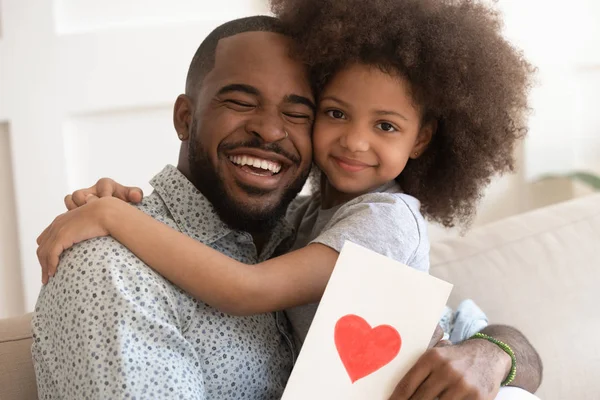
17 377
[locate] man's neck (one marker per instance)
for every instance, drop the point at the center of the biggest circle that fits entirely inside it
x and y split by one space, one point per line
185 170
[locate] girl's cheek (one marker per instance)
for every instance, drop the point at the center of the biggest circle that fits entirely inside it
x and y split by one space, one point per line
319 135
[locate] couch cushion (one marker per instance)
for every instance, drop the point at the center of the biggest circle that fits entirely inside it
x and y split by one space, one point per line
539 272
17 378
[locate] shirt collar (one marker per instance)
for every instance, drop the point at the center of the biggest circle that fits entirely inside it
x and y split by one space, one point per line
280 242
194 214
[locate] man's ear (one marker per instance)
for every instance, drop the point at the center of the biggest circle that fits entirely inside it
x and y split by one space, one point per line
423 139
182 116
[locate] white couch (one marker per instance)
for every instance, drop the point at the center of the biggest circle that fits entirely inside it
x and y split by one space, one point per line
538 271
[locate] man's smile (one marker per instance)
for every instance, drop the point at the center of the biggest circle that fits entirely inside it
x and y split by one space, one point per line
258 168
256 165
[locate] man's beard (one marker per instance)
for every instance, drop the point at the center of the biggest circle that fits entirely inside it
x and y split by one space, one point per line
238 215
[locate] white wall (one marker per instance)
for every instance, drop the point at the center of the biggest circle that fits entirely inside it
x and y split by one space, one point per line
563 40
87 87
10 264
587 138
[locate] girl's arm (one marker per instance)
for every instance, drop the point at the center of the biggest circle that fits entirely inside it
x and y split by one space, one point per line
233 287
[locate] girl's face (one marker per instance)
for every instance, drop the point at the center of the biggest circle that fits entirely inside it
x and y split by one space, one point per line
366 129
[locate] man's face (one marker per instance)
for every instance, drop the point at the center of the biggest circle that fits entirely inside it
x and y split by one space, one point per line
250 139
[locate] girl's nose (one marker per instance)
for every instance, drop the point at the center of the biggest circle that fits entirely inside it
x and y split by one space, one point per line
355 140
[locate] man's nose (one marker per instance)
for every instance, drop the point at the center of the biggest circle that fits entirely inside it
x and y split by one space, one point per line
268 125
355 139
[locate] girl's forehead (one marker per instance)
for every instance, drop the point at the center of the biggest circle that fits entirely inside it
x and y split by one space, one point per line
367 85
364 76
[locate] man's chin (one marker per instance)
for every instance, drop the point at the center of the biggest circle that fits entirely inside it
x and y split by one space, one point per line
250 208
258 201
256 194
252 213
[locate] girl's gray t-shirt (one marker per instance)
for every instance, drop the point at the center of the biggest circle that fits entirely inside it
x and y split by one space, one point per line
386 221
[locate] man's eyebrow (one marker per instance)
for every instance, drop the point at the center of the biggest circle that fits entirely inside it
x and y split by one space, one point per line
296 99
238 87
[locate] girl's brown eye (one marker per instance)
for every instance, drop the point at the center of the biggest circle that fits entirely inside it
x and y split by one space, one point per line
337 114
386 127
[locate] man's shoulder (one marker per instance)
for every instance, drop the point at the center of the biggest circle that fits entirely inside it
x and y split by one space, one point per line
154 206
106 250
97 251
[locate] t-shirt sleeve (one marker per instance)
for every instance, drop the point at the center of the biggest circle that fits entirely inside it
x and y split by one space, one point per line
383 222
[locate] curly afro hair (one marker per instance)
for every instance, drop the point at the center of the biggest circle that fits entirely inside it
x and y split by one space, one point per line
463 74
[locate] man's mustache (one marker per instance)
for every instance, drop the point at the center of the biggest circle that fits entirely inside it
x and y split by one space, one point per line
256 143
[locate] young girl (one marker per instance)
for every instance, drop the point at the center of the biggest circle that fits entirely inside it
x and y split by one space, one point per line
417 100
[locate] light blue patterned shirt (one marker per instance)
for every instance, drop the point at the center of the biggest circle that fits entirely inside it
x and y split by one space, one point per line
108 326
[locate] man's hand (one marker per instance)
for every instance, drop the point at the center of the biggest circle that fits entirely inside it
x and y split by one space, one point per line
471 370
105 187
437 337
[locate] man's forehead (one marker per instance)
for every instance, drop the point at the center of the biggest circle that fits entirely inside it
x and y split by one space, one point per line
259 59
253 46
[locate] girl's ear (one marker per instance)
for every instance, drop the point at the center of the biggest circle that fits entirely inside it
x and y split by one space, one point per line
423 139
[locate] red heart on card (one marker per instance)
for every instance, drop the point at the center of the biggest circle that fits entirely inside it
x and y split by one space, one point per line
362 349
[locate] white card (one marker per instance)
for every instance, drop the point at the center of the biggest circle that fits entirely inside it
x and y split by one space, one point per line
374 321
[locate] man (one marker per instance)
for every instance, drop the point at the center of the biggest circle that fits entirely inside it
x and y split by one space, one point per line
108 326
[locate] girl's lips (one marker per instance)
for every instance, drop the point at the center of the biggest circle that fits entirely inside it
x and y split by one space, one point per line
350 165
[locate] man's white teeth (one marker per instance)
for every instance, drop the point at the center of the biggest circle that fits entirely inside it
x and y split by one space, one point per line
267 165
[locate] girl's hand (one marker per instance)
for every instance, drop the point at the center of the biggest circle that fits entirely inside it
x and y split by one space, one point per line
105 187
83 223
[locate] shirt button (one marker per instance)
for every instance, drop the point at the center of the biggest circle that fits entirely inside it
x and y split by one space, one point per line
243 239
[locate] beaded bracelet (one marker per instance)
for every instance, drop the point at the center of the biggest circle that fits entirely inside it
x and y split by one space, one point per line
513 368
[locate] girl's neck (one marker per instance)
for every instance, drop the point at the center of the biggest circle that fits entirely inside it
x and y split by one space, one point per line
331 197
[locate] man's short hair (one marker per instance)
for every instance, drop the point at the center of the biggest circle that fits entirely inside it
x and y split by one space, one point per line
204 59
